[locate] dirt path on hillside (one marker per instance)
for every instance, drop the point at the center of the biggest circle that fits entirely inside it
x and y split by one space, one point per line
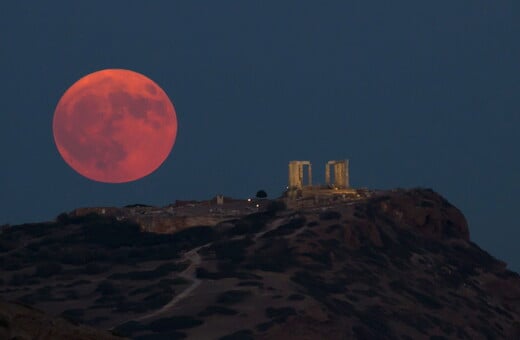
275 224
188 274
195 260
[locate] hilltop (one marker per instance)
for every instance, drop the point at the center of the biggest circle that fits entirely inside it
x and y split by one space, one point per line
394 264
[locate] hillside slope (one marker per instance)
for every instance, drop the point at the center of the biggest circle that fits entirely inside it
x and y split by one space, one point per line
396 265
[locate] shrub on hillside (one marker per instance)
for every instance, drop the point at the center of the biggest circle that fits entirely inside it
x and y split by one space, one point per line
190 238
317 286
78 255
111 233
160 271
233 250
279 314
18 280
128 328
48 269
11 263
73 315
94 268
217 310
63 219
250 224
232 297
276 206
106 288
275 256
174 323
6 246
287 228
330 215
243 334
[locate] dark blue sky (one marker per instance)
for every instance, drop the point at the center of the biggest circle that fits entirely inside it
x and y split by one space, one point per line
414 93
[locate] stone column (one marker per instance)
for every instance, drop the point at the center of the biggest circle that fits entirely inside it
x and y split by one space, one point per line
294 174
337 174
291 181
347 174
310 174
300 175
327 173
341 174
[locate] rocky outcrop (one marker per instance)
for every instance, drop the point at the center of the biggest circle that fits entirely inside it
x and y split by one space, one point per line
164 220
172 224
421 210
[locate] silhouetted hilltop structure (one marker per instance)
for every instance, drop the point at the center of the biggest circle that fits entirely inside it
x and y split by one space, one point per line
395 264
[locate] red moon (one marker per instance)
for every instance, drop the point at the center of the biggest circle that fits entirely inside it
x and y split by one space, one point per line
114 126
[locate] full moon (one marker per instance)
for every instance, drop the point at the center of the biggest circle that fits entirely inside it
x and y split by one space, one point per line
114 126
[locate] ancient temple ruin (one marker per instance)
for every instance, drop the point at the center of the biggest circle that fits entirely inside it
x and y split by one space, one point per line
339 169
296 174
336 186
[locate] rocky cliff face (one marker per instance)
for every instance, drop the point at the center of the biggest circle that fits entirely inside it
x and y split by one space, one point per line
421 212
396 265
164 220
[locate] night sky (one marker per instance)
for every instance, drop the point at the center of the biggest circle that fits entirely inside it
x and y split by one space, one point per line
414 93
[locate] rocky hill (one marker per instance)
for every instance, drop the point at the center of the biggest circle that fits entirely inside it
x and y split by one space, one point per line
392 265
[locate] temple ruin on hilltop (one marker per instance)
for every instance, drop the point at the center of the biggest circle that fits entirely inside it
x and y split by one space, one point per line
339 169
336 180
296 174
